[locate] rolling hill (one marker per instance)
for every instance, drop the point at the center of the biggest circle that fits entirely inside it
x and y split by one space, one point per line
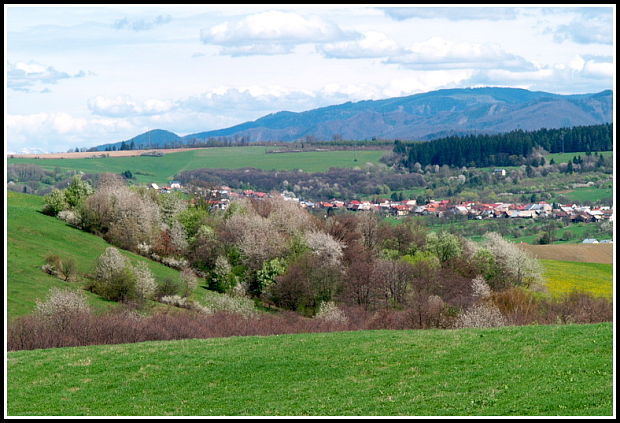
419 117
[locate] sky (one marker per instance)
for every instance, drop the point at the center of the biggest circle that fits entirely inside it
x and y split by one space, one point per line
81 76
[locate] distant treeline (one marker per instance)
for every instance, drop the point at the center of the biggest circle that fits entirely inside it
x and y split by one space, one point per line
508 149
244 142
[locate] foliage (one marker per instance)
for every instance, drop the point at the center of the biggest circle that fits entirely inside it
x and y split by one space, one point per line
77 191
55 202
444 245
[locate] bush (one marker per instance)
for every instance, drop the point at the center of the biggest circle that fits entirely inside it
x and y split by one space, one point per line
119 286
62 306
55 202
108 263
169 287
71 217
215 302
145 282
64 269
330 312
482 315
62 301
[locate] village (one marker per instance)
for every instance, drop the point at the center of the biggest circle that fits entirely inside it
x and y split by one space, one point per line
220 197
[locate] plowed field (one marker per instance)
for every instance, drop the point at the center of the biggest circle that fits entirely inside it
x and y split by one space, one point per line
588 253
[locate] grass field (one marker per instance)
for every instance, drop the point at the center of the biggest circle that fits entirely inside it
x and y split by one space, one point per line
563 277
162 169
581 195
33 235
511 371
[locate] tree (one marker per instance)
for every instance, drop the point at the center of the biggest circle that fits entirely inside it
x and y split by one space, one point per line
77 191
517 266
444 245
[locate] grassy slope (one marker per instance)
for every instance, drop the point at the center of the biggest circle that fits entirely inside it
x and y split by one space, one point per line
162 169
33 235
562 277
531 370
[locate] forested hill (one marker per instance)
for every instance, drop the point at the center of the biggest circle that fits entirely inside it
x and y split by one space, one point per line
428 116
504 149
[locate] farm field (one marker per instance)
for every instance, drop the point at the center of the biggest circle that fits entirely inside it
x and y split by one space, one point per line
588 253
510 371
32 236
162 169
563 277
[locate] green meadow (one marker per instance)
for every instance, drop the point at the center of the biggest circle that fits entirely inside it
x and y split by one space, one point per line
32 236
162 169
563 370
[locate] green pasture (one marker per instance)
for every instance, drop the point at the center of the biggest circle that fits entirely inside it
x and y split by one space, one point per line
563 370
32 236
162 169
563 277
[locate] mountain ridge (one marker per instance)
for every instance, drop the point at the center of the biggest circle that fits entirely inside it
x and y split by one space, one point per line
423 116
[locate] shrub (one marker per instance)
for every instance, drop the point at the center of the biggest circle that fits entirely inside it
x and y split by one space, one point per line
77 191
266 276
55 202
169 287
119 286
62 301
64 269
215 302
481 315
328 311
480 289
61 307
108 263
189 280
222 278
71 217
145 282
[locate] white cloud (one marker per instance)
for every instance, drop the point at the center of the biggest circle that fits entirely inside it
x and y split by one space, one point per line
373 44
124 106
598 29
439 53
452 13
271 32
57 132
32 76
141 24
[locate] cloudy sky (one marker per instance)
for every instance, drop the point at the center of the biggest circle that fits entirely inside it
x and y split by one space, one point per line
84 76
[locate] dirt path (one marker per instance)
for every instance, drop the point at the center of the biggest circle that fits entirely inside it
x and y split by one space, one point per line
589 253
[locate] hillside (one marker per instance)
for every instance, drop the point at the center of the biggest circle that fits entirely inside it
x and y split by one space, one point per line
511 371
156 138
33 235
424 116
162 169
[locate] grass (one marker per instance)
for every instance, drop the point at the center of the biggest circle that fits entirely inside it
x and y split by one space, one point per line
32 236
581 195
511 371
162 169
562 277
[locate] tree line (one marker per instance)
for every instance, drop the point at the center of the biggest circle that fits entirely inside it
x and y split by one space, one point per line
509 149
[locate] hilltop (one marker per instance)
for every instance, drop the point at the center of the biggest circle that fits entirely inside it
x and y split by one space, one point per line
423 116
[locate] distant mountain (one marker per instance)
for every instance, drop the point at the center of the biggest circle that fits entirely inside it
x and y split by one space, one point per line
426 116
150 139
